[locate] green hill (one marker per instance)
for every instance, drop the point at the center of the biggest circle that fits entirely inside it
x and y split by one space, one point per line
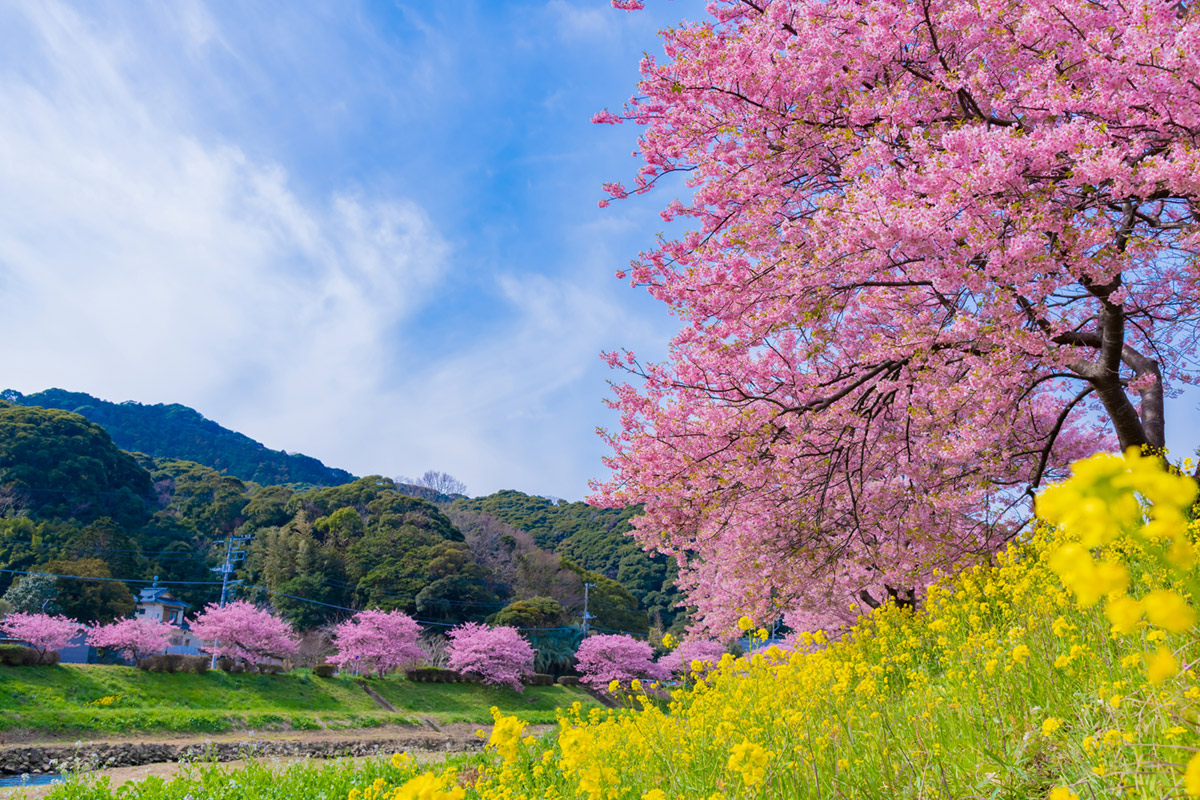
179 432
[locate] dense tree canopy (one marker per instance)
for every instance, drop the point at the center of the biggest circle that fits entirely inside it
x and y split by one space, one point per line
56 464
939 250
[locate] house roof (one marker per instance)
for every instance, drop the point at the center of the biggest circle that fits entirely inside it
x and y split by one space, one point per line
161 595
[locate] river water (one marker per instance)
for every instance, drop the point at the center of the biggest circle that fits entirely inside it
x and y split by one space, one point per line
30 780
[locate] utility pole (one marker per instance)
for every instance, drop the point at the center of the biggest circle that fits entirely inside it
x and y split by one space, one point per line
233 554
586 616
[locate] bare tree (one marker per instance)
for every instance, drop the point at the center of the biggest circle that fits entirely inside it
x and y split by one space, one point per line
440 482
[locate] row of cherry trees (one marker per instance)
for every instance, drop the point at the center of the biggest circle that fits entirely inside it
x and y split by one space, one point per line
237 630
371 642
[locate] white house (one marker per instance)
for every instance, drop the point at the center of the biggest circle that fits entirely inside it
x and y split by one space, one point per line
157 603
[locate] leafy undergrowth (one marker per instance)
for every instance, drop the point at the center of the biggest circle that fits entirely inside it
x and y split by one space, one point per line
1007 684
112 699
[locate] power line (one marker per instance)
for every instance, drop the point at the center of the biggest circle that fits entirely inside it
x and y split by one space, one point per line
285 594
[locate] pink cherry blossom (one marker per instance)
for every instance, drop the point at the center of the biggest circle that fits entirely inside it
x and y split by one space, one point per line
242 630
937 251
42 632
377 641
706 651
498 655
617 657
134 638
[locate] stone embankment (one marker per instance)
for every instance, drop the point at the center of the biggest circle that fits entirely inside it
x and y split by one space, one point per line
82 756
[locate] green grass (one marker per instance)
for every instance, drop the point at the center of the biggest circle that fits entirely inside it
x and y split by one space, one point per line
318 780
64 699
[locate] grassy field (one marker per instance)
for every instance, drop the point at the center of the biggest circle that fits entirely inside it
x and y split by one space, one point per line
113 699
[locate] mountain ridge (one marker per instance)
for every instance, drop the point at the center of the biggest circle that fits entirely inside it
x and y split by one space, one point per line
173 430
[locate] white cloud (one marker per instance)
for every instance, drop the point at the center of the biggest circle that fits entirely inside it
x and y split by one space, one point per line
157 245
139 261
583 20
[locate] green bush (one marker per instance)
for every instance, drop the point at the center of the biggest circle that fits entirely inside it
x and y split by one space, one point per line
196 664
324 670
434 675
15 655
163 662
538 679
568 680
270 669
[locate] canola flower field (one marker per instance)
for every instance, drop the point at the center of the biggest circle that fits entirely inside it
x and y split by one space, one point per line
1063 670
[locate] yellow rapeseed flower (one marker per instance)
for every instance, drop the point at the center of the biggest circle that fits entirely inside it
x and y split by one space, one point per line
1168 610
750 760
1191 776
1161 666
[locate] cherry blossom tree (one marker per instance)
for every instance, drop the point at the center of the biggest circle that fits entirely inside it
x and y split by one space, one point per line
133 638
604 658
42 632
241 630
377 641
938 249
706 652
498 655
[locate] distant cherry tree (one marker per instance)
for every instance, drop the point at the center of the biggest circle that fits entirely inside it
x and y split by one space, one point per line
377 641
133 638
42 632
605 658
242 630
498 655
705 653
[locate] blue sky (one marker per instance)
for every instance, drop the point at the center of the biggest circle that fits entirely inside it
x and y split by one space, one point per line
364 231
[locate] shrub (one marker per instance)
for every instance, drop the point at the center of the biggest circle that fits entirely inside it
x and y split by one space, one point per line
270 669
196 664
568 680
539 679
325 670
49 658
434 675
15 655
163 662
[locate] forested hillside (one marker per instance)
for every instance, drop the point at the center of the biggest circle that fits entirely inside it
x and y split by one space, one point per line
176 431
74 504
595 538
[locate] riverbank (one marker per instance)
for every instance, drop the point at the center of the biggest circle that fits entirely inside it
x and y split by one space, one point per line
74 701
